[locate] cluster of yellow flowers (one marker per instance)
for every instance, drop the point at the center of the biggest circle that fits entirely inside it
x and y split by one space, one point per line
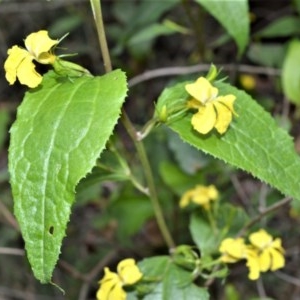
200 195
213 111
263 254
111 285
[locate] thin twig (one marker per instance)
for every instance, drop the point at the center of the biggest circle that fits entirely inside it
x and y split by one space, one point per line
14 7
263 213
9 216
94 272
288 278
261 289
12 251
171 71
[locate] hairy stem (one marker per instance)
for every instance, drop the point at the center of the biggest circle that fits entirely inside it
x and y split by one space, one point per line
150 180
96 7
97 12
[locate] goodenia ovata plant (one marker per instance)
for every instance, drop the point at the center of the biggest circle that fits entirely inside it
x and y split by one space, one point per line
64 123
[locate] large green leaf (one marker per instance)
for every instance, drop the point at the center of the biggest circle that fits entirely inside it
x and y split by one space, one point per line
234 16
291 72
253 142
60 131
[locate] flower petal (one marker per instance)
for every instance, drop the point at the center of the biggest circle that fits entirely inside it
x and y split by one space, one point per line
27 74
186 198
202 90
110 287
38 43
260 239
204 120
264 260
15 56
212 192
129 272
228 100
224 117
232 250
253 264
278 260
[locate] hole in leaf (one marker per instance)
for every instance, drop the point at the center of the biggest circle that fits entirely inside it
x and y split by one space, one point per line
51 230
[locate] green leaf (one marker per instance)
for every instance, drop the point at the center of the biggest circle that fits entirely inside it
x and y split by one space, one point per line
283 27
203 235
291 72
234 17
60 131
170 281
253 141
270 55
122 209
188 158
176 179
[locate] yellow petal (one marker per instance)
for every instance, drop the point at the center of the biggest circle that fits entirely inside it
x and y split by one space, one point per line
204 120
186 198
224 117
253 265
277 245
202 90
110 287
228 100
27 74
278 260
39 42
193 103
129 272
264 260
15 56
212 192
232 250
260 239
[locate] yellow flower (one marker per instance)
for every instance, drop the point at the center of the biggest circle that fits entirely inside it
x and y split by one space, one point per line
201 195
248 82
233 250
111 285
266 251
19 62
213 111
262 255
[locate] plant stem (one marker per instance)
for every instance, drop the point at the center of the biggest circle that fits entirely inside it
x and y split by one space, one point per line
97 12
150 180
266 211
96 7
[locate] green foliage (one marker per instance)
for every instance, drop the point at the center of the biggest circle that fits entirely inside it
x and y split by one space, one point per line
140 25
170 281
291 72
121 210
253 143
269 55
234 17
50 151
205 237
283 27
